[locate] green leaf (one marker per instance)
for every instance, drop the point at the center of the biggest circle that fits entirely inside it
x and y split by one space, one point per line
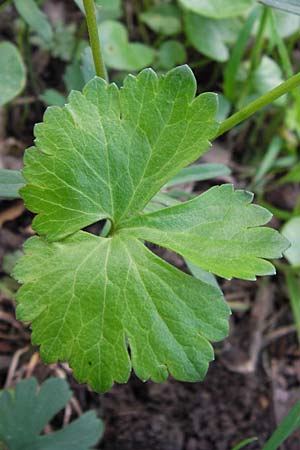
244 443
291 6
288 425
293 176
10 183
139 154
198 172
118 52
291 231
163 19
210 36
218 9
24 415
106 155
35 18
267 76
136 295
170 54
12 72
52 97
218 231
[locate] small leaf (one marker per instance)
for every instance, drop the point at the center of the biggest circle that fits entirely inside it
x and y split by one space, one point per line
170 54
10 183
12 72
267 76
119 53
291 6
219 231
35 18
210 36
52 97
291 231
218 9
163 19
24 415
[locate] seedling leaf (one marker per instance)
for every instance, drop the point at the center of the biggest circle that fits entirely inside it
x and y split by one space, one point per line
24 415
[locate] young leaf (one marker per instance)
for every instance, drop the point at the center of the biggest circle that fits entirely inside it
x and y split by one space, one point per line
24 415
170 54
210 36
12 72
218 9
121 54
163 19
218 231
10 183
105 156
35 18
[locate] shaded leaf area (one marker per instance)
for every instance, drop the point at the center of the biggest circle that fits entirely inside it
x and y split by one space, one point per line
25 413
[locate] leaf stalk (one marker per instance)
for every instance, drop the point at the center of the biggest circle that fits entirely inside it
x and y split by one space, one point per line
259 104
90 14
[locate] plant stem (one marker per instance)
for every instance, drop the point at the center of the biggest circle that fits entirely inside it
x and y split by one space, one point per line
90 13
258 104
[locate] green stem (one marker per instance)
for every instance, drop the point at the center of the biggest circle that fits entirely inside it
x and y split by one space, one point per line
90 13
259 104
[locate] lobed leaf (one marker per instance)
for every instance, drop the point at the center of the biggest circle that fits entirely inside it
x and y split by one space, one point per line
24 415
109 151
105 155
88 296
219 231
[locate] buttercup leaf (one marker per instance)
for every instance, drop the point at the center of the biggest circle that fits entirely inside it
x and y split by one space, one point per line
85 295
218 231
109 151
24 414
105 156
